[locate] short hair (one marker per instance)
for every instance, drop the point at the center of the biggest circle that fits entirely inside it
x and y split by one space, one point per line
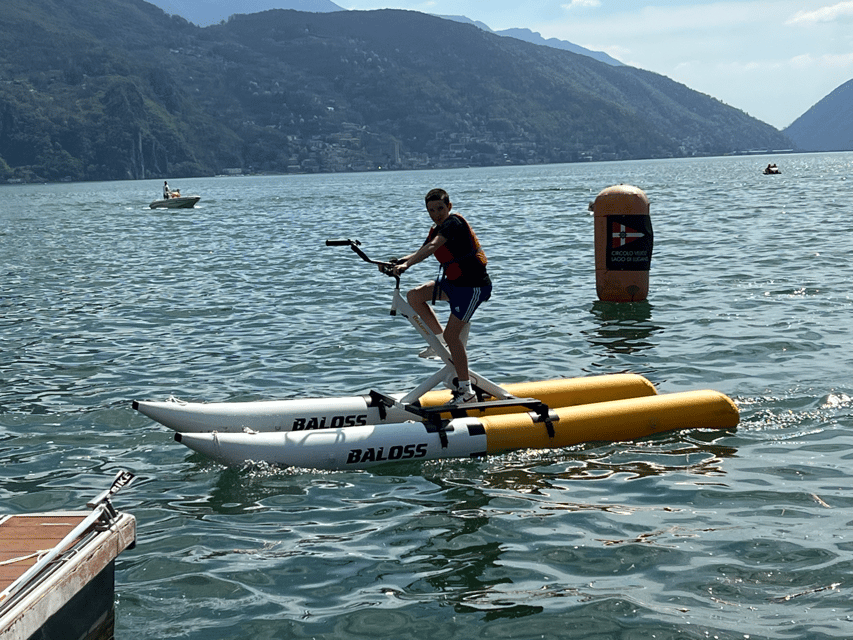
437 194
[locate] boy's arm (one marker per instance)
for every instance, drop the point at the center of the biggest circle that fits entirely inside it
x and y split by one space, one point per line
426 250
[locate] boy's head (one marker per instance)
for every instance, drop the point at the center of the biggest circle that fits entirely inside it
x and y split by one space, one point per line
437 194
438 205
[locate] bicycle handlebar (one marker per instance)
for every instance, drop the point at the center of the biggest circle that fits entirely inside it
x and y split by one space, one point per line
384 267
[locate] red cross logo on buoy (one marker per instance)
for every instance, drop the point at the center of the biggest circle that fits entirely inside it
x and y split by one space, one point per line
623 234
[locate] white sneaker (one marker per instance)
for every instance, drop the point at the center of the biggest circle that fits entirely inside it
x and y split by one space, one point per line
461 397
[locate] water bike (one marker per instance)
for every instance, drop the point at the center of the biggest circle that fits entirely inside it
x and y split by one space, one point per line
360 431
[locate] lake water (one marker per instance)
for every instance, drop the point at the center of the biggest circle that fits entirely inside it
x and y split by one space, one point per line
730 535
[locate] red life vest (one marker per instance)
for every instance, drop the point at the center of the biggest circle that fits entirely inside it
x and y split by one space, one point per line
470 254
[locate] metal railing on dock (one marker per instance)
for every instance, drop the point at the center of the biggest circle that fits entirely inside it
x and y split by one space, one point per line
53 562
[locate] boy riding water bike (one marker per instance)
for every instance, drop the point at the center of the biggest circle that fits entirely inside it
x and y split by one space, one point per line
463 281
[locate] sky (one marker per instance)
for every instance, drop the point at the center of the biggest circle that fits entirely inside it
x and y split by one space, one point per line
773 60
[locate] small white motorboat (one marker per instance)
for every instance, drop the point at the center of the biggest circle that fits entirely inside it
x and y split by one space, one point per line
178 202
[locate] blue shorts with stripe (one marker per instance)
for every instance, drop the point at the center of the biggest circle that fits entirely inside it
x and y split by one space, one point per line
464 300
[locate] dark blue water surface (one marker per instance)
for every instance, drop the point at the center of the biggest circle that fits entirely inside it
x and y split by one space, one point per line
734 534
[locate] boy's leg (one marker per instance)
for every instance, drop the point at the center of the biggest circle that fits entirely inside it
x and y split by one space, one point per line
456 331
455 344
420 298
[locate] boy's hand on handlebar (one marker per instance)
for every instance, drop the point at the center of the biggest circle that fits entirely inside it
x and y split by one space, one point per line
391 269
397 267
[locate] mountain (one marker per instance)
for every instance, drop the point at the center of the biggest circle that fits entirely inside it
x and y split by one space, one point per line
116 89
207 12
86 94
536 38
828 125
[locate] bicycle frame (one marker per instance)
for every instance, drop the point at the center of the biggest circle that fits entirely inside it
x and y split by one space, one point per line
400 305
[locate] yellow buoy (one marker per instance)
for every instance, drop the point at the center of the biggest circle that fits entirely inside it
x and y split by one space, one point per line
623 244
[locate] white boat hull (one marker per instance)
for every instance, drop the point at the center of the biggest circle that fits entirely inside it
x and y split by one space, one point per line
349 448
329 413
366 446
181 202
268 415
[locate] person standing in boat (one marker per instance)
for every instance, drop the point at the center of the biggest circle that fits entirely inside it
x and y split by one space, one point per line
167 193
463 281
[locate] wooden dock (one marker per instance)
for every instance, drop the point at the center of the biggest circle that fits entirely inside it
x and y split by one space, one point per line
57 572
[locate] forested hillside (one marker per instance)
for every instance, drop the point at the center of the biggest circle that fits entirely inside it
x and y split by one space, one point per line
828 125
116 89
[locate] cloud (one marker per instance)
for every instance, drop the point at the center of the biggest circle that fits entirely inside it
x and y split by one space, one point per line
824 14
825 61
572 4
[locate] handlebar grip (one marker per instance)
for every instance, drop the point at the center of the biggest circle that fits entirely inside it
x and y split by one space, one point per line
340 243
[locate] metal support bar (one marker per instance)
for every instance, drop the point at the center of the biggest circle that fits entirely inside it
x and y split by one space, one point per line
102 510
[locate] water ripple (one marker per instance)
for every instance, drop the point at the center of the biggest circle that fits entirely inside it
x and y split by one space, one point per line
735 534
